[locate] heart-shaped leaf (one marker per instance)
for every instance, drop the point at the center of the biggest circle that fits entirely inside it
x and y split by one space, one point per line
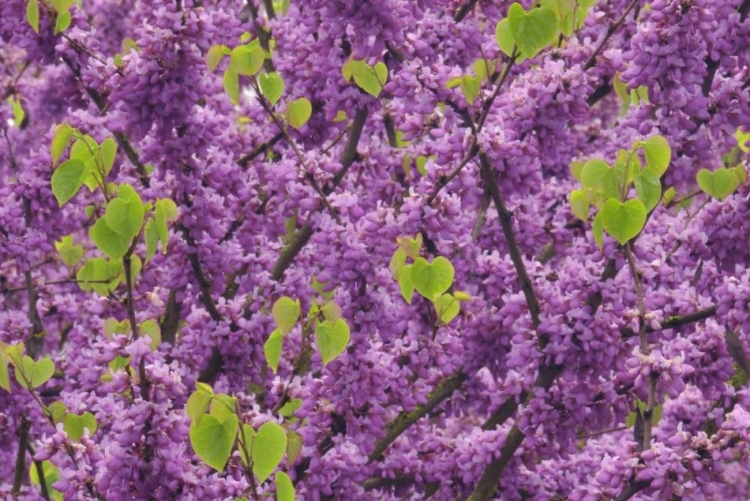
4 374
125 213
272 86
600 178
534 30
109 242
285 313
623 220
648 186
718 184
68 179
447 308
579 204
331 339
269 446
432 279
245 443
213 439
298 112
247 59
231 83
658 154
470 86
406 283
284 487
272 349
197 404
215 54
504 37
74 425
60 141
31 374
293 446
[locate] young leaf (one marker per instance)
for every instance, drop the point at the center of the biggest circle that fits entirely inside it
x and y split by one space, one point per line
125 213
470 86
272 86
60 140
298 112
232 85
406 283
69 254
269 446
245 443
68 179
504 37
214 56
597 228
4 375
95 275
74 425
658 154
151 237
397 263
293 446
63 22
197 404
107 241
447 308
109 152
718 184
284 487
623 220
648 186
285 313
331 311
331 339
534 30
32 14
600 178
31 374
212 439
579 204
247 59
432 279
272 349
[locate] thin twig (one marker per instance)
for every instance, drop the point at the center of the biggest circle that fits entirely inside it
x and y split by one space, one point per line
610 31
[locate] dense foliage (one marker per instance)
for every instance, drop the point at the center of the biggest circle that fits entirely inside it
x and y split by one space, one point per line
374 249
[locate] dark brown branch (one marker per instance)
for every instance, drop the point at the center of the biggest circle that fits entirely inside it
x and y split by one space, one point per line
203 283
171 320
261 149
19 474
464 10
395 428
675 321
631 490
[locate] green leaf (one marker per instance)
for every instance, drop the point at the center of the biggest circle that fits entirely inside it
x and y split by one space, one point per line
247 59
109 152
284 487
4 374
232 85
447 308
151 236
483 69
397 263
579 204
406 283
293 446
74 425
648 186
63 22
470 86
288 408
597 227
718 184
58 411
269 447
107 241
411 246
368 78
534 30
272 86
504 37
153 331
221 406
741 173
298 112
197 404
658 154
214 56
68 179
247 435
452 82
35 373
51 476
575 170
125 213
165 210
69 254
623 220
331 339
96 274
285 313
742 139
669 195
272 349
600 178
32 14
60 139
62 5
331 311
432 279
212 439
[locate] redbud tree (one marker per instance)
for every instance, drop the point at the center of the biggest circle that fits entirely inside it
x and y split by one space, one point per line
375 249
